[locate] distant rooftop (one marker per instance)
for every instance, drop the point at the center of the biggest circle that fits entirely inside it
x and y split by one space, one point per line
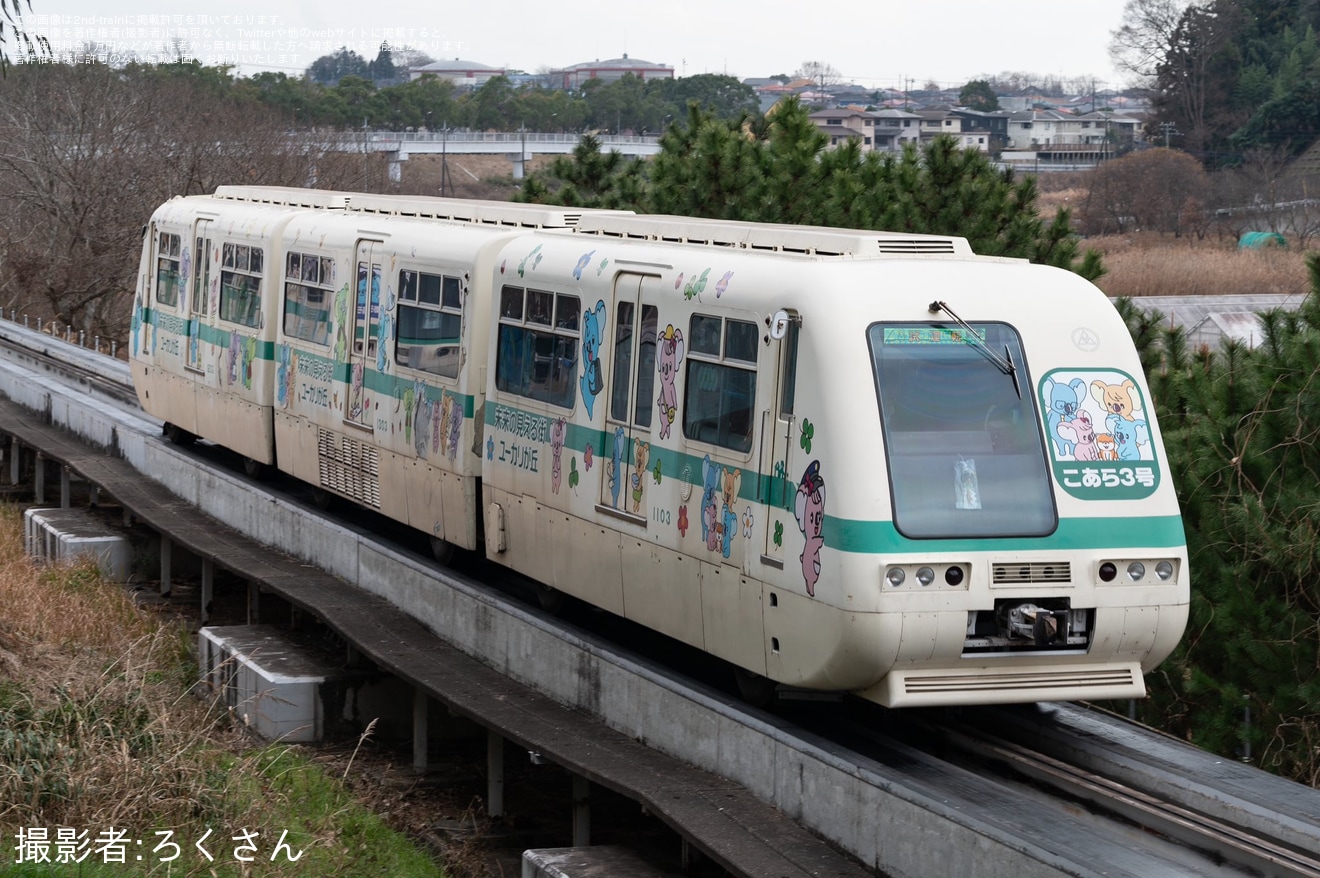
1209 320
625 63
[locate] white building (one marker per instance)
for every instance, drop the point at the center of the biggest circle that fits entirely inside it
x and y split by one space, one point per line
464 74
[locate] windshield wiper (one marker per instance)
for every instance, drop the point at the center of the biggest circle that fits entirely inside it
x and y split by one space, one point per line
1004 363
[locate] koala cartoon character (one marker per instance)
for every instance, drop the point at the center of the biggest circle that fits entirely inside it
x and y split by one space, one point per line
729 522
710 507
668 357
284 377
446 406
809 509
614 466
232 359
641 451
1116 399
423 410
455 427
1063 402
593 374
439 412
1083 434
1127 435
556 451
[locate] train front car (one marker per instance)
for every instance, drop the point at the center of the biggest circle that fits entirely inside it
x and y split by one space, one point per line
993 506
838 460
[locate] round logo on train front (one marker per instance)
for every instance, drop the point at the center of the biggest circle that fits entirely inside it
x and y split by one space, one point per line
1097 424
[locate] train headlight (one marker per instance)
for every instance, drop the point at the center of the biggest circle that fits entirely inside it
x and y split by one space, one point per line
954 575
895 576
1108 571
1164 570
1136 570
925 576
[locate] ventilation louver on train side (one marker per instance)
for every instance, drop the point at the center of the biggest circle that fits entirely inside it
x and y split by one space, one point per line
350 467
804 240
919 246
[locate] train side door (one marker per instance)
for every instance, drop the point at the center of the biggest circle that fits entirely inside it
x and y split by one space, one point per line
631 402
363 336
779 465
199 301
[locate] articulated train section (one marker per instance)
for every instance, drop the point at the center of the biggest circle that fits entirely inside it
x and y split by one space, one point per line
820 788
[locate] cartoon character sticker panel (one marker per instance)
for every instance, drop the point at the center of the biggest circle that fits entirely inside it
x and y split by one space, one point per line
1098 432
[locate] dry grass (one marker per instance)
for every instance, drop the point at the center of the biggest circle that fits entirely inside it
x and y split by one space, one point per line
1153 265
99 729
91 696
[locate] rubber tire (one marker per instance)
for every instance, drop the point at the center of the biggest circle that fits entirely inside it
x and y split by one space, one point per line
442 551
754 689
177 435
323 499
552 600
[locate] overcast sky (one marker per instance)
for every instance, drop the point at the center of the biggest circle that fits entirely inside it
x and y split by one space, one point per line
874 42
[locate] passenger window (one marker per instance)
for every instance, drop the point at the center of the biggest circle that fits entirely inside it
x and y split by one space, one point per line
626 330
167 269
240 284
308 294
720 391
430 323
535 359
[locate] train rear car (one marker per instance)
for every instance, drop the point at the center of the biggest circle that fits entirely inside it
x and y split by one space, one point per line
204 315
338 336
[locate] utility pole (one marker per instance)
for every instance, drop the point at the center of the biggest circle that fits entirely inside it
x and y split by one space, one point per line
1169 129
446 184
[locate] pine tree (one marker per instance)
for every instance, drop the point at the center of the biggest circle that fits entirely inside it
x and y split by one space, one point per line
782 170
1242 432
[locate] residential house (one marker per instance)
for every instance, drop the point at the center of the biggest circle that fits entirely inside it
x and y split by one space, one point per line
896 127
878 130
842 124
1056 138
972 129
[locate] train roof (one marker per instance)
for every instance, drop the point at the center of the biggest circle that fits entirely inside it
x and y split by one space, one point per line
484 213
284 196
816 241
808 240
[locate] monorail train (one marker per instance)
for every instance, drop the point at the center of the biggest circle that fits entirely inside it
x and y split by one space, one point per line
840 460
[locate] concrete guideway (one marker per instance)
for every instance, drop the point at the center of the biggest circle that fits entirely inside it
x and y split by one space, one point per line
747 790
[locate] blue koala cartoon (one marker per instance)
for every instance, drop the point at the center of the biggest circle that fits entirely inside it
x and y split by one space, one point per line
1128 436
1064 400
593 374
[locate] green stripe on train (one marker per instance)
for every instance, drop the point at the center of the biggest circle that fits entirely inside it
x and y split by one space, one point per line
375 381
881 537
850 535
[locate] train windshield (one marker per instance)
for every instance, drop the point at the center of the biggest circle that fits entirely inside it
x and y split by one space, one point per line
965 451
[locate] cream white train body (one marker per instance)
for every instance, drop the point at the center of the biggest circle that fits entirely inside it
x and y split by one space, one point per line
839 460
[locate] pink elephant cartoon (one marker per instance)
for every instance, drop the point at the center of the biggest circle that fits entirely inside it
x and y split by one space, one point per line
669 356
810 512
